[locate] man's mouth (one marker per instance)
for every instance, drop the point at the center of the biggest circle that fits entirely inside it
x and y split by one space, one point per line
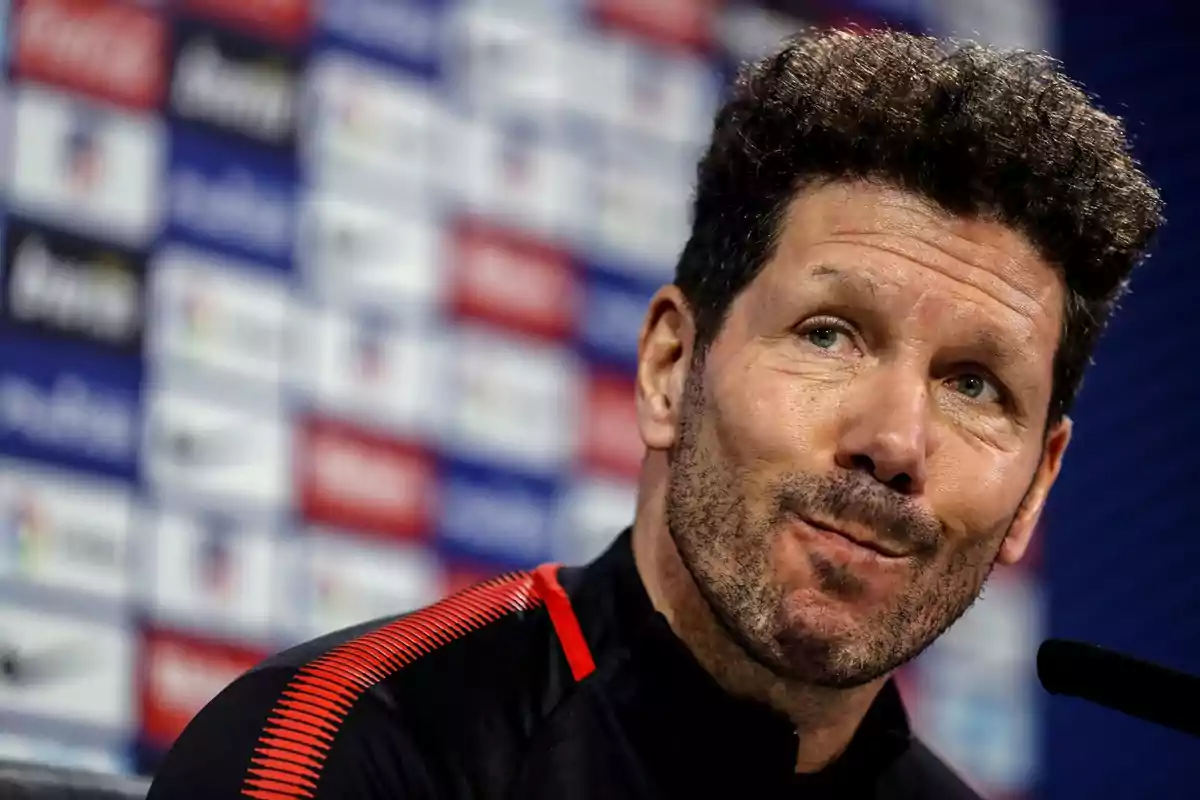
855 535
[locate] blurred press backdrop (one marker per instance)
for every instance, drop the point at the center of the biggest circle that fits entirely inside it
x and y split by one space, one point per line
313 312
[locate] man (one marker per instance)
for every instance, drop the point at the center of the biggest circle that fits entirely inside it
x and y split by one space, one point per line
853 399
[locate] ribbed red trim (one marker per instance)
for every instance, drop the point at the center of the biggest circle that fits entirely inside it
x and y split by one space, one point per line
299 732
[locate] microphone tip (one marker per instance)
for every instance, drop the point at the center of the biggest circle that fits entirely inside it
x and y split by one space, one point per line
1054 662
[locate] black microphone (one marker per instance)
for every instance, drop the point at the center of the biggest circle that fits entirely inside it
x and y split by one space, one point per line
1137 688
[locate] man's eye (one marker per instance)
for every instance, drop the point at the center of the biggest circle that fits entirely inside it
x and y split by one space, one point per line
826 333
976 387
824 337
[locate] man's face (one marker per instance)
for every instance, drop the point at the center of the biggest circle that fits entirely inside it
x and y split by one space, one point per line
866 436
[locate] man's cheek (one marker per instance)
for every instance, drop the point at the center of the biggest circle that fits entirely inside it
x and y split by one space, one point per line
787 433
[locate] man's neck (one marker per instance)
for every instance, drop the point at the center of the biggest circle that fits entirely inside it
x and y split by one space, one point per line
825 719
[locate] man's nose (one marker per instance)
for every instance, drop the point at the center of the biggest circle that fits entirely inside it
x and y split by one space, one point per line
886 433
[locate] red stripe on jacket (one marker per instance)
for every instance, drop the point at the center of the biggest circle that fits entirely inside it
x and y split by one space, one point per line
298 734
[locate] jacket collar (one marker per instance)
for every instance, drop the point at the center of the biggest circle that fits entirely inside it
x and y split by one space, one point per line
665 698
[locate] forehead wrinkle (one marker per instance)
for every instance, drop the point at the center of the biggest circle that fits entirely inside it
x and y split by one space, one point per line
1019 299
925 222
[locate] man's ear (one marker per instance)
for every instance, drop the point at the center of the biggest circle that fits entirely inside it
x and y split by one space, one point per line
664 354
1020 533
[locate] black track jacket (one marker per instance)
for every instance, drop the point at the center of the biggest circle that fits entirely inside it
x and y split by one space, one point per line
555 684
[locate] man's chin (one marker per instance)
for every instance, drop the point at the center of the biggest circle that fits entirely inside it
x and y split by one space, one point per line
826 662
825 647
802 656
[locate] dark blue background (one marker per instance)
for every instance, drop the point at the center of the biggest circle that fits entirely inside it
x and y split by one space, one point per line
1123 541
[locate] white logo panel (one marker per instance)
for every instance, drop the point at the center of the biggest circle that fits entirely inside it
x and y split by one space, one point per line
87 167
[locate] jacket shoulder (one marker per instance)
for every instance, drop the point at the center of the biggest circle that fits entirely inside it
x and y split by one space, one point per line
388 708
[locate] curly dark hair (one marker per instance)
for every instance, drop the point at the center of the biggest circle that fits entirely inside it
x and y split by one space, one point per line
980 132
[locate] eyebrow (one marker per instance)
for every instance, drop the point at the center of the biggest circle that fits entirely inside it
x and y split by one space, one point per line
991 346
852 279
984 343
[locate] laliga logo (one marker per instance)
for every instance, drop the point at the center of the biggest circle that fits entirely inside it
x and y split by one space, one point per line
23 527
194 310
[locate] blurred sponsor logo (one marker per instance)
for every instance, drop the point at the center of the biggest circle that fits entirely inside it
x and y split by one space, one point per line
113 51
285 20
63 668
61 284
342 582
79 413
505 64
67 533
592 69
670 96
220 316
976 687
749 32
612 316
687 23
4 14
212 568
406 31
610 439
993 734
218 200
1003 628
514 281
196 447
369 256
235 86
371 132
637 224
624 151
180 675
86 167
69 413
6 124
82 160
378 371
591 512
354 479
554 14
1028 25
510 172
370 349
496 515
516 402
